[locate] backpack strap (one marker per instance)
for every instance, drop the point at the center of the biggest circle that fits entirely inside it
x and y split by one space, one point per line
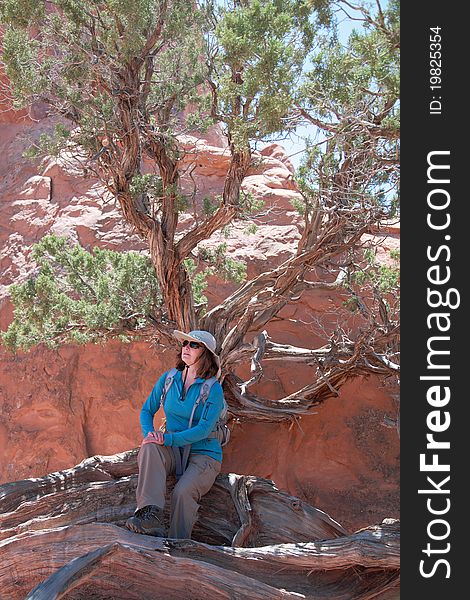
203 395
170 376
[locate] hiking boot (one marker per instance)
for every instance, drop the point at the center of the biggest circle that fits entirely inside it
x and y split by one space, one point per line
147 520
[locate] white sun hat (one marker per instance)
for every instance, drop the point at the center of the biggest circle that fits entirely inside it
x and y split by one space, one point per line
202 337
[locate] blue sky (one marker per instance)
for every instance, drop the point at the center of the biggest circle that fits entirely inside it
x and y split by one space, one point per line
295 144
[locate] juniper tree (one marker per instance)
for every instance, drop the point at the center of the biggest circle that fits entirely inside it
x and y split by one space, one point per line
351 95
119 74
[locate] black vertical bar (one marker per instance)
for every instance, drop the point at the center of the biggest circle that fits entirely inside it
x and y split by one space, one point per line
434 253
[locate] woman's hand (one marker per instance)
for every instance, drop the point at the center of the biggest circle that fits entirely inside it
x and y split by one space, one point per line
154 437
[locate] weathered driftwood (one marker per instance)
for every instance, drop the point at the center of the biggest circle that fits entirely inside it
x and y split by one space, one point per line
95 468
103 489
96 555
64 534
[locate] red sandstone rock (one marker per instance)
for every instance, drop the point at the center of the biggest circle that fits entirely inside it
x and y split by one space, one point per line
36 188
277 151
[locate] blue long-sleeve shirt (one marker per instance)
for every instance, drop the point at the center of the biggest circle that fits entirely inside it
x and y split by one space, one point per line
178 412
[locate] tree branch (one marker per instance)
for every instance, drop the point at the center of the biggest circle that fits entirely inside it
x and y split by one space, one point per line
229 207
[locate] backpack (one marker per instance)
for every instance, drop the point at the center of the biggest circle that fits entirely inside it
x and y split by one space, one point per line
221 431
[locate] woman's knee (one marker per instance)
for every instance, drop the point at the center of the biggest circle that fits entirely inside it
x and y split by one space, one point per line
151 449
150 454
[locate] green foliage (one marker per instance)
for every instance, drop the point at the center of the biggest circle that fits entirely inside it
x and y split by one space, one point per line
209 207
150 186
351 93
88 53
298 205
50 144
347 77
251 229
79 296
20 12
222 265
20 56
198 281
261 47
384 278
249 204
181 202
219 264
395 254
146 184
388 279
199 120
374 286
369 256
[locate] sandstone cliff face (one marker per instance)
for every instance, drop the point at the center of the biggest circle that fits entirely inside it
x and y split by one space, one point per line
60 406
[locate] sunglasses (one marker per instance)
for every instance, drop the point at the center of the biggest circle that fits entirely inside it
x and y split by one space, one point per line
193 345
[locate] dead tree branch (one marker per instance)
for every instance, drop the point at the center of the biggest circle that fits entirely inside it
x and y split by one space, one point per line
64 534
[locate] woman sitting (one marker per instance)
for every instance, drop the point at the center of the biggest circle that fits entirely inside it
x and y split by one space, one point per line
162 453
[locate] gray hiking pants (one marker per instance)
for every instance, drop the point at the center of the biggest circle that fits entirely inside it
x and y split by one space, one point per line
155 463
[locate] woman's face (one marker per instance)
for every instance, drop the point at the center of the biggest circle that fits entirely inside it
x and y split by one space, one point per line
191 352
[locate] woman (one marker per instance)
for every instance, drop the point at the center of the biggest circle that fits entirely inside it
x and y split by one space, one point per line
160 452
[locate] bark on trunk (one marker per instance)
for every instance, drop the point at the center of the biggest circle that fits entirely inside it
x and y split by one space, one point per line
173 280
64 534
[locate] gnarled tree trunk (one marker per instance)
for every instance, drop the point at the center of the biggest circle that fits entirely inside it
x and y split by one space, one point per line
64 533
